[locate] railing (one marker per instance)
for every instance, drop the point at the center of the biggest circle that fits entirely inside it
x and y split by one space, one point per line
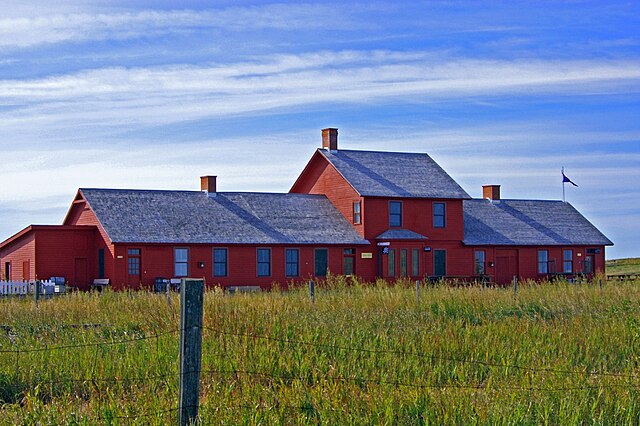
23 288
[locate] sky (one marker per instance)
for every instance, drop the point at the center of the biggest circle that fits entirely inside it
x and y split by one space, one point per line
155 94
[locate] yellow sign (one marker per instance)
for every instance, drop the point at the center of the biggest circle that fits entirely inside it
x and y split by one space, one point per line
366 255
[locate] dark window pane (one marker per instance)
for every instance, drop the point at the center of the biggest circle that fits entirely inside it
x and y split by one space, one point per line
292 262
395 213
264 262
438 215
479 262
415 262
220 262
403 263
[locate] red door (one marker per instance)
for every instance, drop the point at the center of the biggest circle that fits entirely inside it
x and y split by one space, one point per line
134 270
80 278
506 265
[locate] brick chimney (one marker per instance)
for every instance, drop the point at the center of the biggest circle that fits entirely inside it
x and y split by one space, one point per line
330 139
491 192
208 184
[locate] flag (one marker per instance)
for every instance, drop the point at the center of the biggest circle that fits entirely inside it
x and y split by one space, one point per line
565 179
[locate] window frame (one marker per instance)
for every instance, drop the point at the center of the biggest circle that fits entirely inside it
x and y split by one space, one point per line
479 265
181 262
442 215
217 262
543 264
357 212
287 263
415 262
567 262
259 262
392 215
391 263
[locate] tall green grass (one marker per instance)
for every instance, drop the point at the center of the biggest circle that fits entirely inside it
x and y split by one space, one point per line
362 354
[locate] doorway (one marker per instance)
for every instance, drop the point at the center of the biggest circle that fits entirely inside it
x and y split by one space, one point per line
506 265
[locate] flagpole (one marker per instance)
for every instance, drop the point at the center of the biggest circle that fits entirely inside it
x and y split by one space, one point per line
563 197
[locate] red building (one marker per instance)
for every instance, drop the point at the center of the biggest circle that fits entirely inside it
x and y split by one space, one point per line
370 214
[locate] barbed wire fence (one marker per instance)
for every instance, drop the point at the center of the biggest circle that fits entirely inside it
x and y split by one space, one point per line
173 409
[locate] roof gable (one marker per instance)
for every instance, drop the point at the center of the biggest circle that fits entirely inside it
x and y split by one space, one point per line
394 174
184 217
527 222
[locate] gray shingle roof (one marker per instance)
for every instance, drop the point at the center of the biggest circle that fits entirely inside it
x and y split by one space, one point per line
394 174
400 234
527 222
227 218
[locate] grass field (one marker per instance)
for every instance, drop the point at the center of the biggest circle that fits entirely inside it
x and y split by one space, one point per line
554 354
623 266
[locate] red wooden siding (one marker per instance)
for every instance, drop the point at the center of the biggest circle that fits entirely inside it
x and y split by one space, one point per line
21 250
320 177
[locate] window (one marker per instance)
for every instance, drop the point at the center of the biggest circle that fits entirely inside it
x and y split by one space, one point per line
7 271
543 262
263 256
321 262
567 261
392 262
357 217
479 262
349 261
415 262
439 215
292 262
403 262
181 262
395 213
220 267
439 263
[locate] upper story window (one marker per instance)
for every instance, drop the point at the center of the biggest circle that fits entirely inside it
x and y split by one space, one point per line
357 216
264 262
395 213
439 215
220 265
181 262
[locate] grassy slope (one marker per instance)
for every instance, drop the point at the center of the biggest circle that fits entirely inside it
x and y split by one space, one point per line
558 354
623 266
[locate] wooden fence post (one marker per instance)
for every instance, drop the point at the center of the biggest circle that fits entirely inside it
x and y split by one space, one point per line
191 312
167 287
515 287
312 291
418 291
36 291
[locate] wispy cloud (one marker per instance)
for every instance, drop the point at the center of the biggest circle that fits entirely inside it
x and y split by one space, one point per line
160 95
76 27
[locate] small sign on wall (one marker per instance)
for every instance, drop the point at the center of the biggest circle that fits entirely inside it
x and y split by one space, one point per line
366 255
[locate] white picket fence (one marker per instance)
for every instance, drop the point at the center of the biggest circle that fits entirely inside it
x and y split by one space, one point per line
17 288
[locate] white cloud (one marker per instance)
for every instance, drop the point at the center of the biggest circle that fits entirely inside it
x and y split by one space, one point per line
30 30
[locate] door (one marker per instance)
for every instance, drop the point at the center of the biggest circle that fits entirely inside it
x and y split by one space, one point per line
321 262
80 278
26 270
134 262
439 263
506 265
588 264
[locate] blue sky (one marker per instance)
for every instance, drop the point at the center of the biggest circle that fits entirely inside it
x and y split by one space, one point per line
154 94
